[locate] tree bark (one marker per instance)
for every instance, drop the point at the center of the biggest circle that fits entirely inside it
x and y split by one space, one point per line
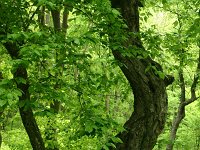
65 19
150 97
26 112
176 122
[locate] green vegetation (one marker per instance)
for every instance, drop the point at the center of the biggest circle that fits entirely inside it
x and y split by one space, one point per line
99 74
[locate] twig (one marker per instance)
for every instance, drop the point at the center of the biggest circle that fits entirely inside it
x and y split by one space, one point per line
31 18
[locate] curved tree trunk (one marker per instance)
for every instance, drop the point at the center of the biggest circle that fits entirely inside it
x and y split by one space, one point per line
150 98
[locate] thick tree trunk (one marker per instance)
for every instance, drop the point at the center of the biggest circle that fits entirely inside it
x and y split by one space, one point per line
26 112
150 98
150 107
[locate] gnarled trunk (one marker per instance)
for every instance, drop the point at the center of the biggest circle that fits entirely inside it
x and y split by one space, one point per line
150 98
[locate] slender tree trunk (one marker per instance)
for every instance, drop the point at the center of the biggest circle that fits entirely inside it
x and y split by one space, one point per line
150 98
1 112
176 122
183 102
55 106
41 16
56 19
65 19
26 112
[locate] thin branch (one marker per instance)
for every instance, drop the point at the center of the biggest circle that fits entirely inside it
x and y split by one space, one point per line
182 85
189 101
194 84
31 18
49 74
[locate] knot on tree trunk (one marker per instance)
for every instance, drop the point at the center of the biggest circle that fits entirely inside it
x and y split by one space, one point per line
168 80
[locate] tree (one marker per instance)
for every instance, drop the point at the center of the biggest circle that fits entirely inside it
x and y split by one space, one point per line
188 35
149 89
31 48
20 71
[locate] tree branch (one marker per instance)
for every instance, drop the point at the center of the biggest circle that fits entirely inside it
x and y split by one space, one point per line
31 18
194 84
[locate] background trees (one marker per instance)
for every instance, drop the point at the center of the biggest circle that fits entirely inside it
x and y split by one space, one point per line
58 69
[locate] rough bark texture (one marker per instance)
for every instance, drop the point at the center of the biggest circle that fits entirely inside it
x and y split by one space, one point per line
150 98
26 112
56 19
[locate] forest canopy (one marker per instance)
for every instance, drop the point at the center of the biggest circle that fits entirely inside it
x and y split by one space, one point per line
99 74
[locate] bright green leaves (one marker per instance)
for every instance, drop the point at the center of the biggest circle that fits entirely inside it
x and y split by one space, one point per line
35 52
175 23
9 95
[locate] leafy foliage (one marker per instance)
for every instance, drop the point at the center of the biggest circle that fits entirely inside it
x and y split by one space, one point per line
79 71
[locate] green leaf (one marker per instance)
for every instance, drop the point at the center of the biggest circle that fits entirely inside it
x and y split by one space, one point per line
18 92
116 140
164 1
105 147
3 102
147 68
175 23
160 74
4 82
116 12
21 103
20 80
10 101
9 96
77 41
